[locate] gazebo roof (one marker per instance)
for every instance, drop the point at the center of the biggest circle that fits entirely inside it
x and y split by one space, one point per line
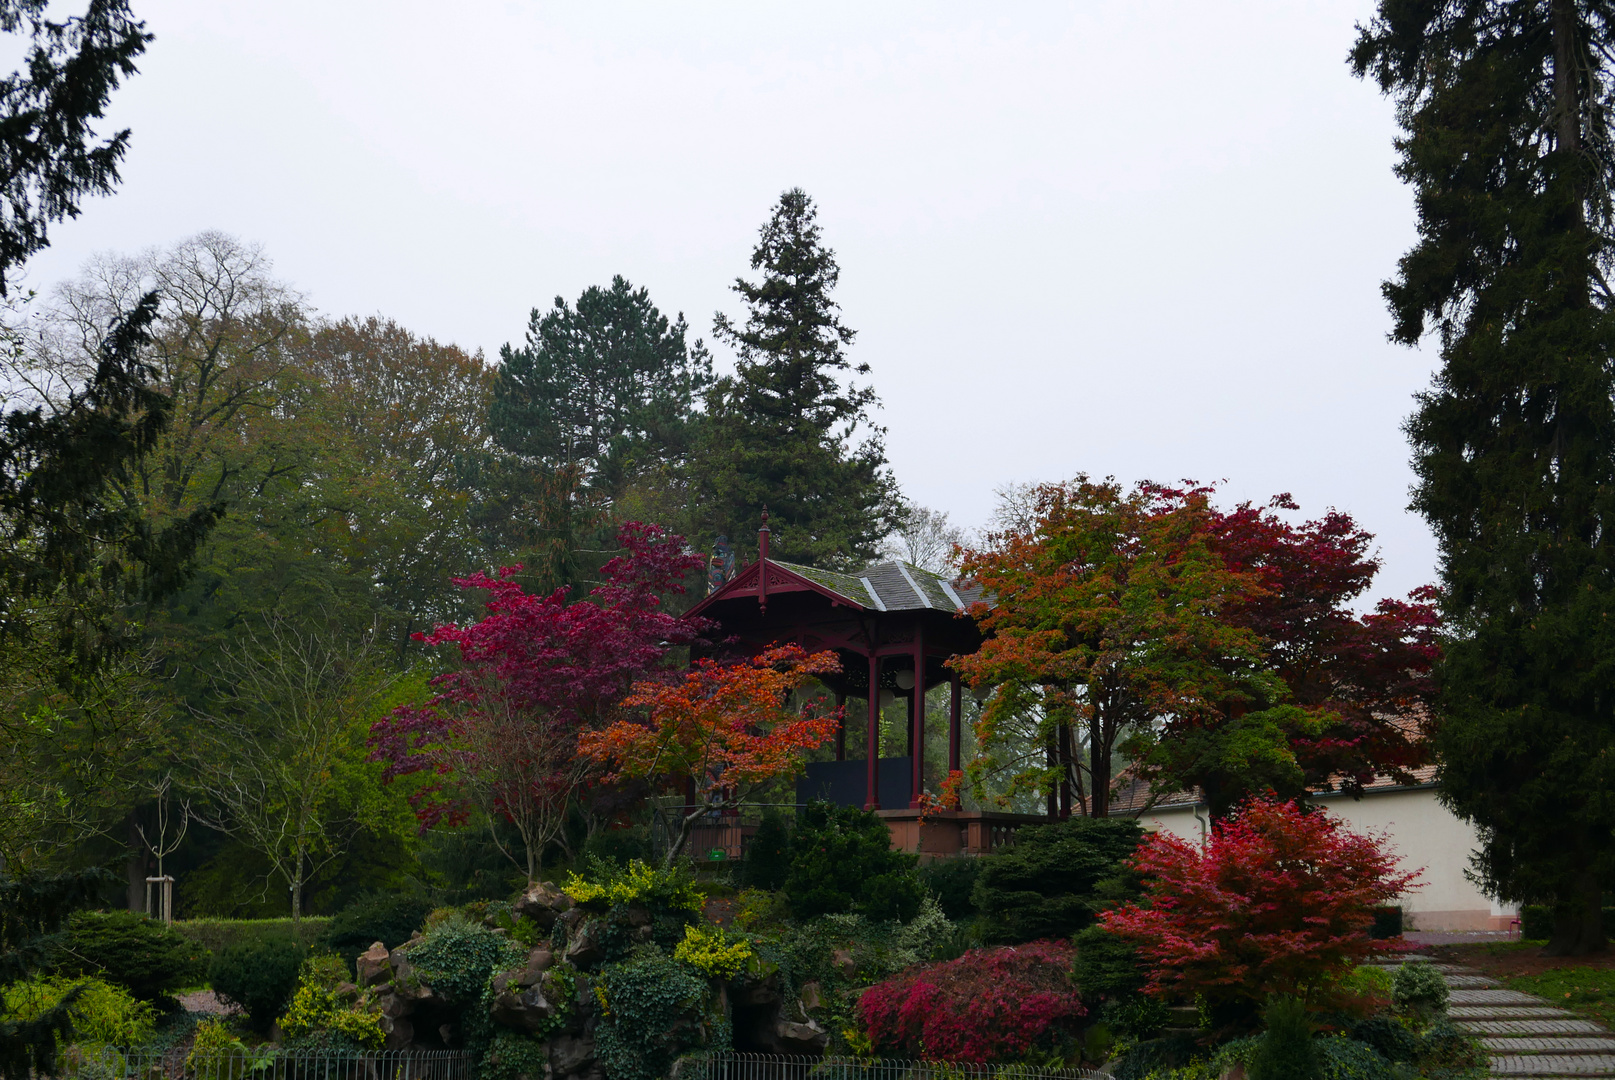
880 586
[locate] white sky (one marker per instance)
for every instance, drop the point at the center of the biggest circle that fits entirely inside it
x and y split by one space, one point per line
1138 238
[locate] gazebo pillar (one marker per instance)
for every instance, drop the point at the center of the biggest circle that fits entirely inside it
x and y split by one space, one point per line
872 745
841 725
954 709
917 758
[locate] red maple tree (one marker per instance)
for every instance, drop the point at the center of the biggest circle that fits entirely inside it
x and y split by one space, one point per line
501 732
726 727
1279 901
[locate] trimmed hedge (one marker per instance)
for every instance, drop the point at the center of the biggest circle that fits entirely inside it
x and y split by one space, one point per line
124 947
1536 921
217 935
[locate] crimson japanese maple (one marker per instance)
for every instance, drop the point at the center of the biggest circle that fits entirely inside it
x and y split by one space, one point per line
726 727
1279 901
536 672
989 1005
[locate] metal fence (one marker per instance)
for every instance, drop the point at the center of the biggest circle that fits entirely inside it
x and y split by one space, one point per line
777 1067
269 1063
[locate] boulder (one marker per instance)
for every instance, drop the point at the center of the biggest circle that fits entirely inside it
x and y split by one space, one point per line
541 903
572 1053
812 995
526 1009
842 961
374 965
400 1032
805 1038
584 948
539 961
637 916
752 992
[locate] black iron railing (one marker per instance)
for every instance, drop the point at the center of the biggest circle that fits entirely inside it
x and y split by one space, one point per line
268 1063
779 1067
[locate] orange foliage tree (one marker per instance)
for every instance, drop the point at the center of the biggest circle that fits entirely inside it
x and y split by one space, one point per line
727 727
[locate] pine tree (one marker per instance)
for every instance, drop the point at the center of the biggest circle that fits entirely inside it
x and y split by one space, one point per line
1505 109
779 432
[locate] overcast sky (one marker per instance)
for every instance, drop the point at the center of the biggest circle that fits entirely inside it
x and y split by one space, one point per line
1133 238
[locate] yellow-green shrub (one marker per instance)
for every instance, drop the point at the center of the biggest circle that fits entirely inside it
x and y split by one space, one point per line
318 1008
712 953
104 1014
637 884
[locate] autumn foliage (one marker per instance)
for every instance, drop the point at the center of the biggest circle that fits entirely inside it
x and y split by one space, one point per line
1280 901
724 726
989 1005
542 668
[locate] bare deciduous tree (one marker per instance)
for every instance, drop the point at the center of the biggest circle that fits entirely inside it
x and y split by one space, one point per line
287 730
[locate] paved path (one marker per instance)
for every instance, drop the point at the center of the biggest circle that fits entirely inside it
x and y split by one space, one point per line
1526 1036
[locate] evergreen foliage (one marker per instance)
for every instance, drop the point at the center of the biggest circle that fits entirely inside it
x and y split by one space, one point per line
1505 107
779 432
599 398
144 956
1051 883
652 1009
842 861
32 910
260 976
1286 1051
457 958
768 855
387 919
952 882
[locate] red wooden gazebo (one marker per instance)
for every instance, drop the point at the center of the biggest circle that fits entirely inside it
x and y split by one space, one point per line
894 626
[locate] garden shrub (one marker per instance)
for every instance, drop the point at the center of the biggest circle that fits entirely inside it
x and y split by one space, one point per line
952 881
457 958
104 1014
260 976
762 912
1106 966
608 886
217 935
652 1009
126 948
319 1017
1340 1058
1419 988
990 1005
842 861
512 1055
768 856
1051 883
1287 1051
1387 923
713 953
1389 1037
1278 902
619 846
387 919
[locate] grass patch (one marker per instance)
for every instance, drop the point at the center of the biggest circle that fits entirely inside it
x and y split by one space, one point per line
1587 991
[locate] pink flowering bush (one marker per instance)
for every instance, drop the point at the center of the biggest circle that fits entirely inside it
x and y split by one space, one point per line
989 1005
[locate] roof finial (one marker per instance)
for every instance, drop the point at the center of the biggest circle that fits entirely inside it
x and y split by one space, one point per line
762 565
762 536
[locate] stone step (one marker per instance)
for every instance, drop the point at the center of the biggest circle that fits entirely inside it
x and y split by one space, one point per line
1554 1066
1541 1044
1529 1027
1468 982
1506 1012
1492 997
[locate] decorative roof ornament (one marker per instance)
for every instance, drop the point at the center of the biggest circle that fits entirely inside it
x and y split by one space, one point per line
762 564
721 567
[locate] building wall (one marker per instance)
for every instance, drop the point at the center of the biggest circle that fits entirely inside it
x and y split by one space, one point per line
1425 835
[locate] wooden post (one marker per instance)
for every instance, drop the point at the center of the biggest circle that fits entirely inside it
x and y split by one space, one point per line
872 747
841 725
917 788
955 712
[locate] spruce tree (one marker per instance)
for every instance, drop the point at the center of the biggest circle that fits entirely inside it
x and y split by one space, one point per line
780 431
1504 106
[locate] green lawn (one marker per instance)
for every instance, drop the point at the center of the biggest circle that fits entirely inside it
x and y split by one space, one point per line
1584 990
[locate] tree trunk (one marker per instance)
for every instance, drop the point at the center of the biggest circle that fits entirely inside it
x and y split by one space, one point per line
1099 743
686 827
135 867
1578 920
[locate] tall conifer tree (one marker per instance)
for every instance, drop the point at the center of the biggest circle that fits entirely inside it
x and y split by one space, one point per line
779 432
1505 109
